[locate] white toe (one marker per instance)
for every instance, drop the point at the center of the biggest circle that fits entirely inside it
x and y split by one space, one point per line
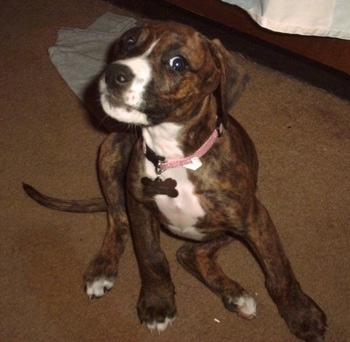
246 306
160 326
99 287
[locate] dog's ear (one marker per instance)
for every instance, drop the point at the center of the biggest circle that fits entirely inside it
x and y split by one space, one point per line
232 80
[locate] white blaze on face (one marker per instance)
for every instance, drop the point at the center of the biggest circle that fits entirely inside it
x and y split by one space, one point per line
132 101
141 69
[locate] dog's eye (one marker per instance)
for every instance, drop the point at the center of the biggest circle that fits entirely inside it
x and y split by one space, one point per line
129 43
178 63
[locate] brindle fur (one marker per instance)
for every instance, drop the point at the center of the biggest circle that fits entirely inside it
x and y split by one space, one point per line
226 186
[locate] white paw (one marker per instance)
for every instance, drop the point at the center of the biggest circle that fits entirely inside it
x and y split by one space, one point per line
99 287
160 326
246 306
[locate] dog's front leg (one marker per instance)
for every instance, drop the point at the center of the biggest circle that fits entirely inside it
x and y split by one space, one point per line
156 305
303 316
112 165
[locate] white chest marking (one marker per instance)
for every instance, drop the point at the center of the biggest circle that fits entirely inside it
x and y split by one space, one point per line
184 210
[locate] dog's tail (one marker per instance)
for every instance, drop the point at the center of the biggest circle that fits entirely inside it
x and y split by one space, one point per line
91 205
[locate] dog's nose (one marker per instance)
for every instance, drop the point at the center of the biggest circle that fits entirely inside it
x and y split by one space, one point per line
118 75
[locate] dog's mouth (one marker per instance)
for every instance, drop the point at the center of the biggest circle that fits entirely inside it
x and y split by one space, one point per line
115 101
116 108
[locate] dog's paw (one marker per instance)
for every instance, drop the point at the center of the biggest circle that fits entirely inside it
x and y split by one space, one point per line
100 274
305 318
157 308
99 287
244 305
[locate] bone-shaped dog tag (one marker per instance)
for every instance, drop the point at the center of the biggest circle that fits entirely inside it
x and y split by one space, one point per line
159 187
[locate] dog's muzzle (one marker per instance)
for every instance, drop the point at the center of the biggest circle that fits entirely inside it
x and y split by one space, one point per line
122 93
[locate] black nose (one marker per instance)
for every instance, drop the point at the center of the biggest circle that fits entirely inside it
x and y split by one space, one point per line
118 75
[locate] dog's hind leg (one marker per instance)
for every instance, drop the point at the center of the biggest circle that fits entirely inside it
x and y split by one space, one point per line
303 316
112 165
200 259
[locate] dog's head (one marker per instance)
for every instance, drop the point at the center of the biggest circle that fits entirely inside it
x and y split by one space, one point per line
162 71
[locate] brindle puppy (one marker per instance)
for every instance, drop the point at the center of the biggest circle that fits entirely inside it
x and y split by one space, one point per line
193 171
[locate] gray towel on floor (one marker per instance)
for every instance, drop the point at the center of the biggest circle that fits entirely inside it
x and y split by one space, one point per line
80 55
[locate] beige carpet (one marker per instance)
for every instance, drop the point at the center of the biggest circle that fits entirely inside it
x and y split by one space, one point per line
46 137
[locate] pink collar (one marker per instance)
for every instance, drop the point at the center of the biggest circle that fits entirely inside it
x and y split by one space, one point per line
161 164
